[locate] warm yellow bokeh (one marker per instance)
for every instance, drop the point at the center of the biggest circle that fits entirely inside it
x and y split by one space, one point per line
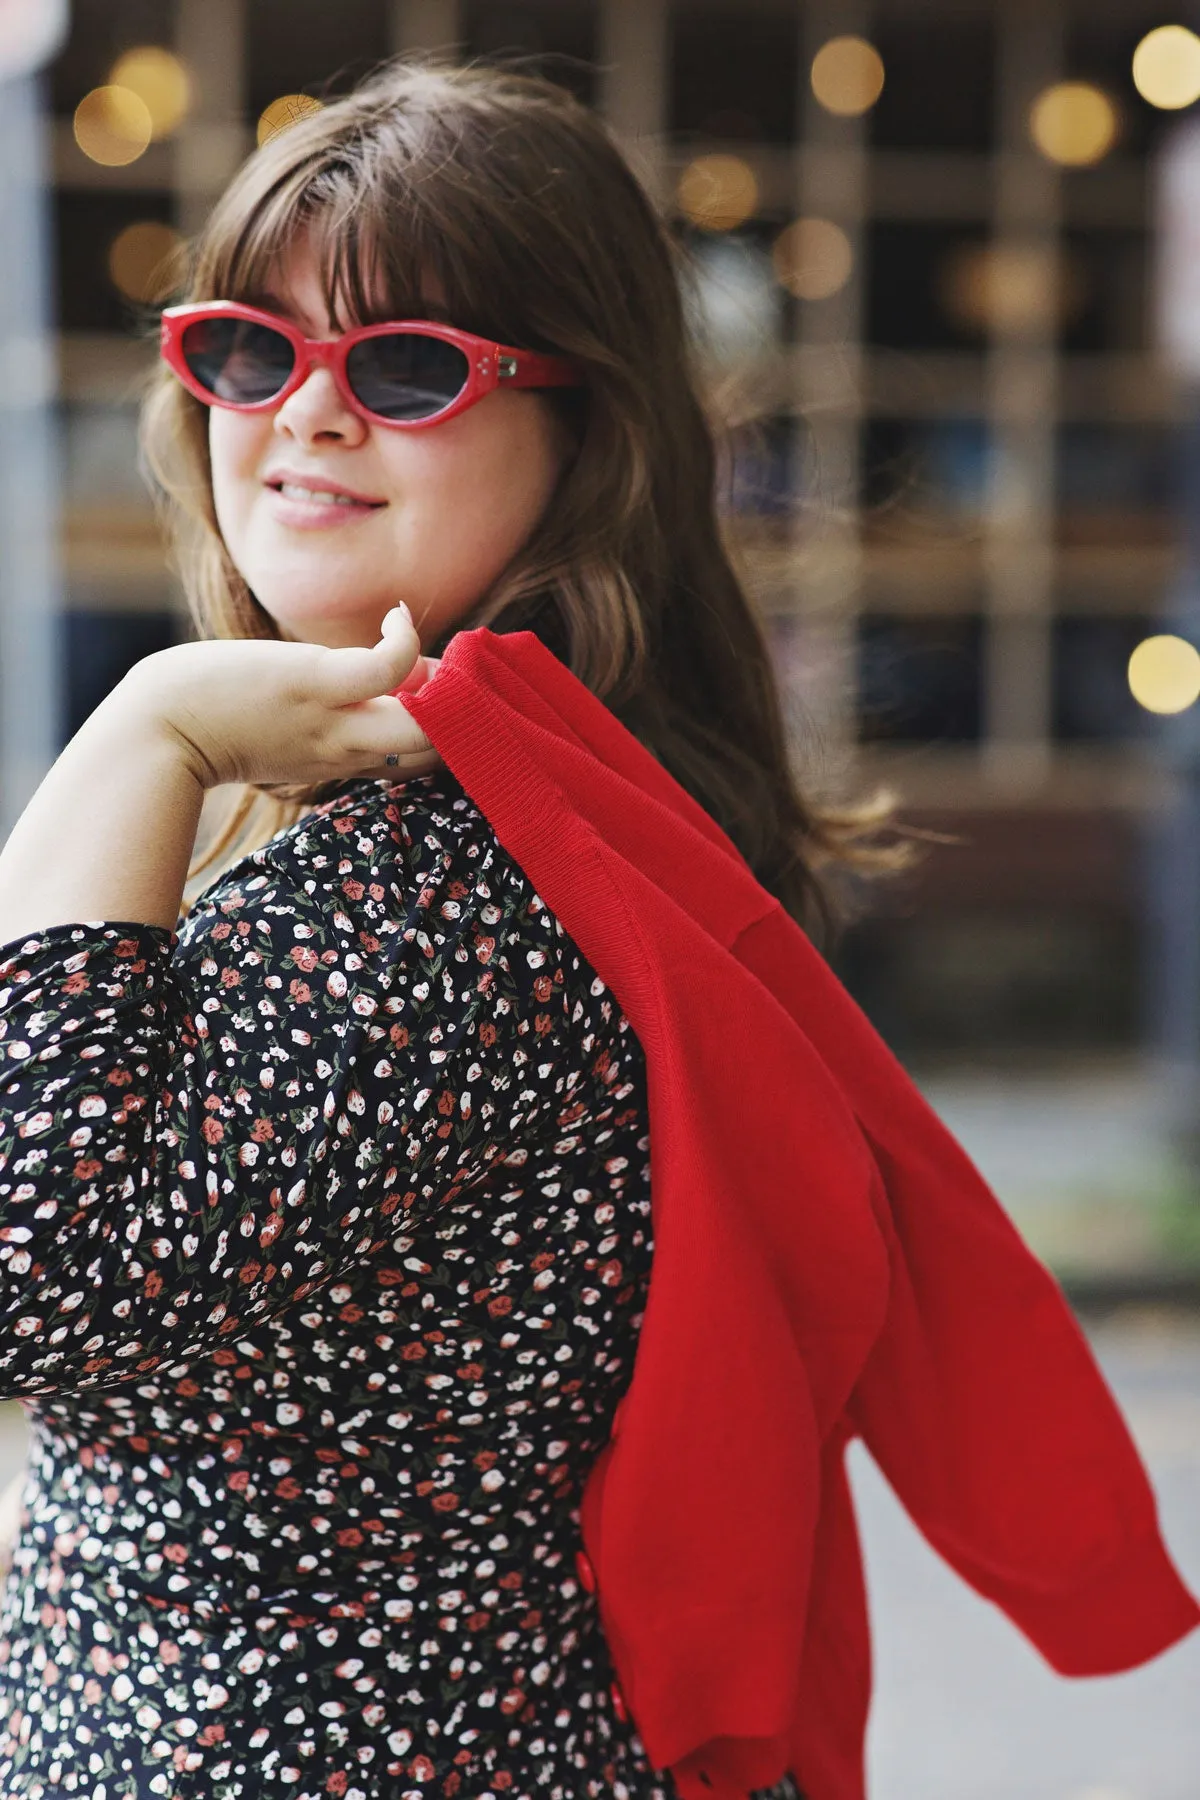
1010 290
145 260
160 81
813 258
289 109
718 193
113 126
1073 123
1164 674
847 75
1166 67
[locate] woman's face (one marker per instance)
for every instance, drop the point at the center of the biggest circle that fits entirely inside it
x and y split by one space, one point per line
442 511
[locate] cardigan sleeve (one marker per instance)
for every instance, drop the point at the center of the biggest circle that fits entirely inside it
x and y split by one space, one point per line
197 1128
980 1399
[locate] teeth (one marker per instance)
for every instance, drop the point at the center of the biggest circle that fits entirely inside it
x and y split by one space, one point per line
322 496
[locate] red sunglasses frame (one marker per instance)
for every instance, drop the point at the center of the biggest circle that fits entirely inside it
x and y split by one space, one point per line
489 365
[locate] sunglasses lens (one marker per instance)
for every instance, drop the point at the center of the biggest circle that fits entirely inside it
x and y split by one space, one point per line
236 361
406 375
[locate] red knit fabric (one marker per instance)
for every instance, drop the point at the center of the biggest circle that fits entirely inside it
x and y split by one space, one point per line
828 1264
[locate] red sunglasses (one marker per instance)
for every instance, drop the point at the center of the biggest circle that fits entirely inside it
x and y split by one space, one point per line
408 373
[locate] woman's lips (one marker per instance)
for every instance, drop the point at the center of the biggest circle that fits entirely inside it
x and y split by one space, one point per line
314 512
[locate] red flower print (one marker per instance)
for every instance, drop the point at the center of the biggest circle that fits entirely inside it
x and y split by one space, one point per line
350 1537
399 1036
289 1488
249 1273
212 1734
445 1102
153 1283
353 890
176 1553
262 1131
304 958
212 1130
413 1352
338 1782
300 992
445 1502
541 1261
239 1481
76 984
421 1769
86 1167
512 1702
487 1034
231 977
126 948
499 1305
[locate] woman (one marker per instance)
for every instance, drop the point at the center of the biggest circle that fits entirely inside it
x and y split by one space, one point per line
327 1225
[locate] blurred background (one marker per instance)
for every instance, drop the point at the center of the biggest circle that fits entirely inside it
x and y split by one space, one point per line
944 265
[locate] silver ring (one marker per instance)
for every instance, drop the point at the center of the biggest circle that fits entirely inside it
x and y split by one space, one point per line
392 759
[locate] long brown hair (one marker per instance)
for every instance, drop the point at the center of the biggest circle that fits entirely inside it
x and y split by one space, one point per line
512 196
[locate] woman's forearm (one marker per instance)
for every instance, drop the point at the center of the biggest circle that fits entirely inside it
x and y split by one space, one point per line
109 833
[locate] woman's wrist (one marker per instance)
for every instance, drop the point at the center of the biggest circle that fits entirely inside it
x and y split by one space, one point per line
110 832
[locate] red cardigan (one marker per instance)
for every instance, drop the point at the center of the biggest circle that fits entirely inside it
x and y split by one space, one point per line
828 1264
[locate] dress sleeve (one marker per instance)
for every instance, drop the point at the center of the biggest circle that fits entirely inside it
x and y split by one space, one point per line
199 1127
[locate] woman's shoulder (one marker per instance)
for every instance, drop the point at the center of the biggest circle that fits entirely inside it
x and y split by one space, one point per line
376 839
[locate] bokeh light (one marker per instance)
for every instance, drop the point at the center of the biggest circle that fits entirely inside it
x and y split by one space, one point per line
847 75
718 193
160 81
289 109
1010 289
144 260
1166 67
1073 123
812 258
1164 674
113 125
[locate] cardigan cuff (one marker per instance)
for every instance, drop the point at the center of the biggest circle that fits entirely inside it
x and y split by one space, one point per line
1116 1621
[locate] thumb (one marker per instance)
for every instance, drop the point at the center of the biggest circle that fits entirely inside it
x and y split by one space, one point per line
355 674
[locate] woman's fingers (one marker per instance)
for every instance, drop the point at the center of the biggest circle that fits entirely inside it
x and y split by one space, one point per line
354 674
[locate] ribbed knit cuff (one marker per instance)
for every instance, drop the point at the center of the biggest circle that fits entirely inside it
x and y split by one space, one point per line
1117 1621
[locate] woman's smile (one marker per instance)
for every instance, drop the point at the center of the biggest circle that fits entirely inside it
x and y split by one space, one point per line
310 503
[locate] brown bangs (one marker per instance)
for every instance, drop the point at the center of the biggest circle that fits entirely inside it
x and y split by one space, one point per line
395 231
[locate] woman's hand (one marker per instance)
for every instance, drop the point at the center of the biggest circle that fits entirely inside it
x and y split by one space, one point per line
273 713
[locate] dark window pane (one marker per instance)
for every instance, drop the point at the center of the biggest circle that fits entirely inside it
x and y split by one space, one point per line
1113 482
924 467
938 87
102 647
559 34
100 31
910 286
309 46
733 74
86 223
919 679
1092 701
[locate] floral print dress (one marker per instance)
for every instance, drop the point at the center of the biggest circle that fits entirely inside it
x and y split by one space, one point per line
324 1241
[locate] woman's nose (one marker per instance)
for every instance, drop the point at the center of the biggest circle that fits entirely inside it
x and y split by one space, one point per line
317 409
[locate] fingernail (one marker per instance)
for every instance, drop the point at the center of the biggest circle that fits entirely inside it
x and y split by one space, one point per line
400 607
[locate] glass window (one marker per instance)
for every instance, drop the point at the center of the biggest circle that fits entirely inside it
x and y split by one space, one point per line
919 679
734 74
